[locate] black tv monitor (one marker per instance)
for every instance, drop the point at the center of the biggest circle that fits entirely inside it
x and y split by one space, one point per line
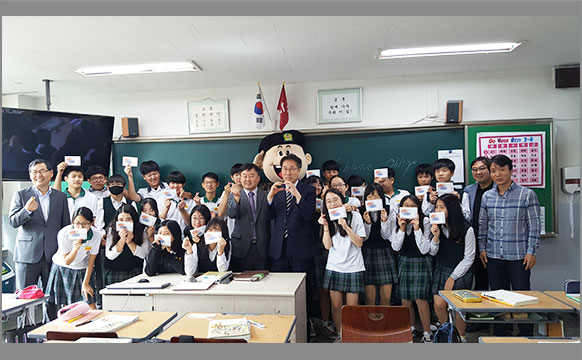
51 135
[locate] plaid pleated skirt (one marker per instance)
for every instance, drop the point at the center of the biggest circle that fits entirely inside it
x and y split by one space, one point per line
115 276
64 285
380 267
442 273
320 261
414 278
344 282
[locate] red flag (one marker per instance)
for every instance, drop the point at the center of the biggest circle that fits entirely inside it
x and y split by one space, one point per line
283 109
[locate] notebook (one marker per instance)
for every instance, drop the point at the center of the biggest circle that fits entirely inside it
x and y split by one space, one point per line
466 296
229 329
251 275
509 298
193 285
214 276
108 323
136 285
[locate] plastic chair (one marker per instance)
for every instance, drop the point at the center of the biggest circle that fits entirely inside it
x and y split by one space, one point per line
192 339
73 335
375 324
572 286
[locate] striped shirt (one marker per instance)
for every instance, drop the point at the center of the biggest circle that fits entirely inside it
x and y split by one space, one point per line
509 224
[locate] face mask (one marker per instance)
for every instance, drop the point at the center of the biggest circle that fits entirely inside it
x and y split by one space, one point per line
116 190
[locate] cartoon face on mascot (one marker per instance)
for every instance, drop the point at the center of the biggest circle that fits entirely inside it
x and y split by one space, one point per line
278 145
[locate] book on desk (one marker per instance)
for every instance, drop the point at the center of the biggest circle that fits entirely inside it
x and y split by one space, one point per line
251 275
229 329
108 323
509 298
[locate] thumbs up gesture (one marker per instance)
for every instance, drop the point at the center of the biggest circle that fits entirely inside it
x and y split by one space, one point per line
31 205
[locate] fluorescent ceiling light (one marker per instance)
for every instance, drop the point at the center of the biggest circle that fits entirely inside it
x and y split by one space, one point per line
138 68
487 48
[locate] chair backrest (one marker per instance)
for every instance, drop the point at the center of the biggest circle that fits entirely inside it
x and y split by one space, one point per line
73 335
192 339
572 286
375 324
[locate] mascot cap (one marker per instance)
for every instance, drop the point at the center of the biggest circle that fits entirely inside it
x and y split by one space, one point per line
285 137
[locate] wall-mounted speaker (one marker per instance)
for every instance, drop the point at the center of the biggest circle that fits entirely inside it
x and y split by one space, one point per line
129 127
454 111
567 76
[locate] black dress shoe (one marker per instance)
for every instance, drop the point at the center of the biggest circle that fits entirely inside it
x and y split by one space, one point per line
474 327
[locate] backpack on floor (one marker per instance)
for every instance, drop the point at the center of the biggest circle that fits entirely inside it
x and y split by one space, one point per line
447 333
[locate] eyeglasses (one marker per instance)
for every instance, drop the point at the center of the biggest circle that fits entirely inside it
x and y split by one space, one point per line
338 186
210 182
198 218
483 168
97 178
289 169
81 223
36 172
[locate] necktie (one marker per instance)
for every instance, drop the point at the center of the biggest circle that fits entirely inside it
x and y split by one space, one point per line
253 212
288 199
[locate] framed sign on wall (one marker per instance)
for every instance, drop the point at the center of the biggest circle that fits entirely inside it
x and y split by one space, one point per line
208 116
339 106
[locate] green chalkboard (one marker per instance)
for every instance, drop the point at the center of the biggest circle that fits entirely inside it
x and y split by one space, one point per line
545 194
358 153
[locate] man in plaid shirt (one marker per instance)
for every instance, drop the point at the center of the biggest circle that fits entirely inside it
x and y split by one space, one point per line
509 235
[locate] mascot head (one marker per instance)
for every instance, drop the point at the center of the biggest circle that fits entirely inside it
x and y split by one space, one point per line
274 147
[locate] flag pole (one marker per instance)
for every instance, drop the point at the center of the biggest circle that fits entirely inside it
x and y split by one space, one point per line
264 101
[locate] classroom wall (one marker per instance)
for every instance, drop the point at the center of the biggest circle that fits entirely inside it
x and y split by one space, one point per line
388 102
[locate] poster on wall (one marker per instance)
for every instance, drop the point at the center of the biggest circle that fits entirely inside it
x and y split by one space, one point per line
339 106
525 149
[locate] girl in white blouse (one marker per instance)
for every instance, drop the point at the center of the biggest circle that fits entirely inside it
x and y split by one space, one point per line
208 257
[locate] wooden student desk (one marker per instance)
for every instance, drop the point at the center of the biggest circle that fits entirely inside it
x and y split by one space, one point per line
278 328
21 310
524 340
149 324
277 294
547 305
561 295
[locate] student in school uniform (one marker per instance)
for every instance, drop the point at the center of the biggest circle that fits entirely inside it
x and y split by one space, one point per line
424 175
329 169
124 250
97 177
150 171
177 209
338 182
356 181
149 206
454 244
410 237
163 259
76 195
320 262
235 176
379 260
444 170
392 195
71 278
472 196
203 257
344 274
210 184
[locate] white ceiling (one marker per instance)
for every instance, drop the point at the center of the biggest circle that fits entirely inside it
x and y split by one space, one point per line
239 51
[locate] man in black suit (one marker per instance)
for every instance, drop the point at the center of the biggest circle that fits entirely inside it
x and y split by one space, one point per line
247 205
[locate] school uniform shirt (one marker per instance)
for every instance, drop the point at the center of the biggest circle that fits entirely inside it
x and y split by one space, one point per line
394 200
468 255
427 207
174 212
354 201
141 251
191 261
421 237
344 256
103 193
384 227
161 261
88 247
212 205
156 194
88 200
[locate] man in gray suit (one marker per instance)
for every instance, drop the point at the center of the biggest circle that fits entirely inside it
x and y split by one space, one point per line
250 237
38 212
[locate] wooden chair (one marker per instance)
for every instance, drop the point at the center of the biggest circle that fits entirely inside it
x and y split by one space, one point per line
192 339
375 324
73 336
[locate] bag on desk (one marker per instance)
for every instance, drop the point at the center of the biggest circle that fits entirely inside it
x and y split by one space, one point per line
73 311
447 333
29 292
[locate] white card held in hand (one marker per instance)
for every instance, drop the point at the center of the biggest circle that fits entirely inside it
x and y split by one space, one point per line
147 220
76 234
73 160
420 190
165 240
437 217
408 213
381 173
122 225
374 205
358 191
313 172
212 237
170 194
339 212
199 231
444 188
318 203
129 160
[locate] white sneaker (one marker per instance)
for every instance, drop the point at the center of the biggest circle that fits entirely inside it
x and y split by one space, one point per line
338 339
426 338
328 328
312 332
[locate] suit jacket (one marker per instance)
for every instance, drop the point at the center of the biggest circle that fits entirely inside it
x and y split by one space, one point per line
36 235
299 224
244 222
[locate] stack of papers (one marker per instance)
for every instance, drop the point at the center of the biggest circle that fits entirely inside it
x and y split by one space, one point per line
229 329
107 323
214 276
509 298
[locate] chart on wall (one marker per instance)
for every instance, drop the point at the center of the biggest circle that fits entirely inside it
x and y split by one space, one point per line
525 149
